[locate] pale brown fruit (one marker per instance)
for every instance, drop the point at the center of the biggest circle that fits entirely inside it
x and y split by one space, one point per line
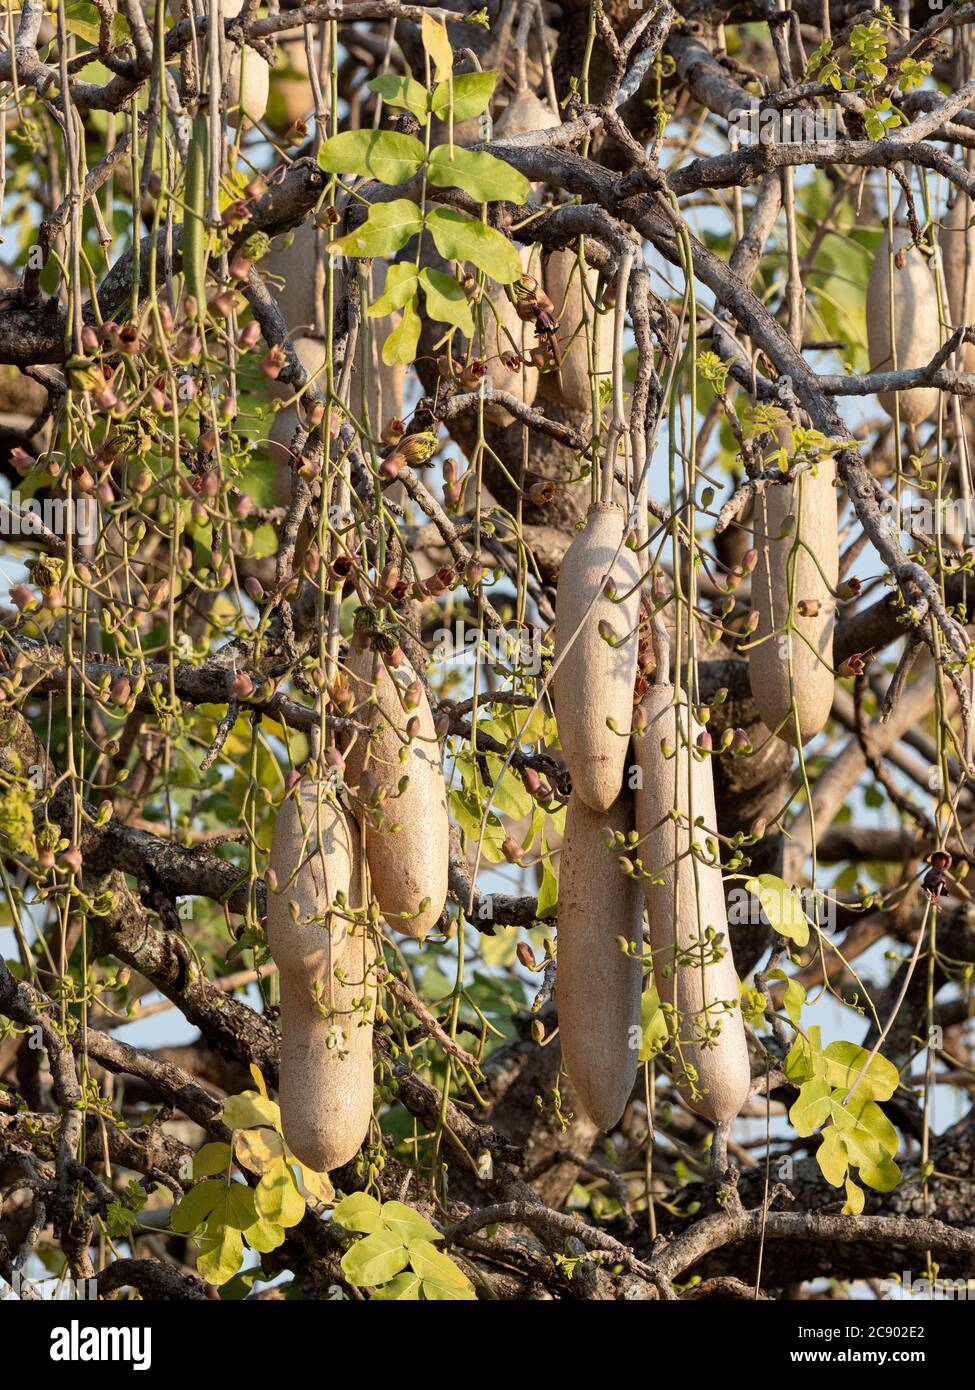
294 269
292 98
499 334
598 987
577 339
327 972
311 354
958 258
805 654
525 114
917 333
247 75
685 898
594 682
408 865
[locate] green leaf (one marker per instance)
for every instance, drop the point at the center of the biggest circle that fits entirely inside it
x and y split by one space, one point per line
220 1253
548 892
437 46
248 1109
385 231
782 906
385 155
472 95
264 1235
478 173
405 1288
811 1108
237 1207
832 1157
196 1206
653 1025
402 91
257 1150
844 1061
82 18
867 1116
408 1224
402 343
359 1212
277 1197
212 1158
460 238
854 1199
795 997
374 1259
401 283
447 302
431 1263
435 1292
317 1185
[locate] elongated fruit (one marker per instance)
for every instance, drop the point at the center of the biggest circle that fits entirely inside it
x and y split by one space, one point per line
525 114
294 270
958 258
693 967
581 330
311 355
796 665
505 334
247 74
407 849
327 975
594 682
904 280
598 987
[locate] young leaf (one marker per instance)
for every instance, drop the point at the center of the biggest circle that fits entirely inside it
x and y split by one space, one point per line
404 1288
193 1209
477 173
811 1107
437 45
375 1259
832 1157
212 1158
385 155
782 906
385 231
264 1235
854 1199
407 1223
277 1198
258 1149
248 1109
431 1263
401 344
472 94
402 91
446 301
400 286
220 1253
653 1025
359 1212
844 1061
460 238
